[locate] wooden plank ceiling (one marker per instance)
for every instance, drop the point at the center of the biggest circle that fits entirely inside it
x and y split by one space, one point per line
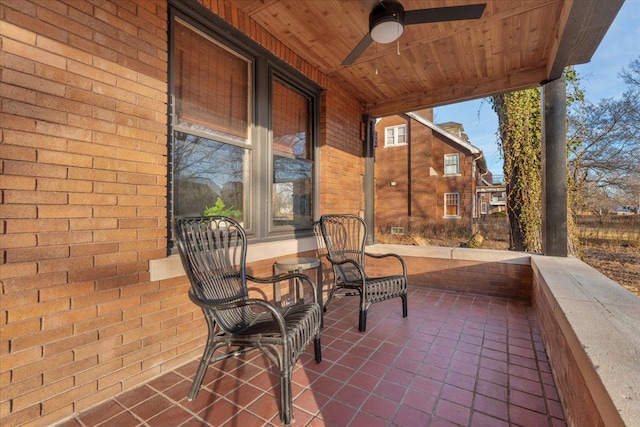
516 44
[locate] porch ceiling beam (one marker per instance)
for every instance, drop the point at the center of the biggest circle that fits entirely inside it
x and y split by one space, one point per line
456 93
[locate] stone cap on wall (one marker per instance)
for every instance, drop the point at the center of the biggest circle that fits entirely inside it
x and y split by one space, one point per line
601 321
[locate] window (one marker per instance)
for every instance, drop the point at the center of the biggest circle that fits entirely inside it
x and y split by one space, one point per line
484 208
395 135
292 166
451 204
452 164
211 138
243 131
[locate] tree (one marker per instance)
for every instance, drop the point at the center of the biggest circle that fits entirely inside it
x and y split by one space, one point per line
520 131
520 138
220 209
605 142
632 76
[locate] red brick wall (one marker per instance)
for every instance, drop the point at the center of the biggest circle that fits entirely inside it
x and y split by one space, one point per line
569 363
83 163
391 167
505 280
341 150
425 203
394 204
461 184
83 190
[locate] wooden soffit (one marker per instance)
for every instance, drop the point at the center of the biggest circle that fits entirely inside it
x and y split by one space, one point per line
515 44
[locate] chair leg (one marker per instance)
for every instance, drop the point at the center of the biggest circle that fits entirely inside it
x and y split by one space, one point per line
286 400
404 305
202 370
362 324
317 349
207 354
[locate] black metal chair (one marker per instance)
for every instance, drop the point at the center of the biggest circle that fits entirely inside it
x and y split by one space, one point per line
345 238
213 252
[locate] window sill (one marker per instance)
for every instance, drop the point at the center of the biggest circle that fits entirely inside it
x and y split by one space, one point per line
171 266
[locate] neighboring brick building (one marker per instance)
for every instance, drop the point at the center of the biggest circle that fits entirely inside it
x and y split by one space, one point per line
426 172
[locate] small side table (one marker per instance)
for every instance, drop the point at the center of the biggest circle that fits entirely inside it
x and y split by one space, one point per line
299 264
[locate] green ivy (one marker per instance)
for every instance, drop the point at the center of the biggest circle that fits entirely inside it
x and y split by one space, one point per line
520 126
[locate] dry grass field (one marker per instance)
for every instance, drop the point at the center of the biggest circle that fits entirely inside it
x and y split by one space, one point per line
611 246
618 262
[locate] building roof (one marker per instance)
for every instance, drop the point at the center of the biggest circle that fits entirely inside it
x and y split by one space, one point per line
455 140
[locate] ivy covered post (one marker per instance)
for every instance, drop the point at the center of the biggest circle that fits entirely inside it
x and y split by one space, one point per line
533 143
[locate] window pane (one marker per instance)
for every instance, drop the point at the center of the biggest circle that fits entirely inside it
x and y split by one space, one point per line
209 176
292 188
389 137
292 191
451 204
401 134
450 164
211 85
290 121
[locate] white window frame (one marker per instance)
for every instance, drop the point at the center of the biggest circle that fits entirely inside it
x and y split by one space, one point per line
484 208
393 141
457 196
456 164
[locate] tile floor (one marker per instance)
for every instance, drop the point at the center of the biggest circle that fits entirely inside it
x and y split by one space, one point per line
457 360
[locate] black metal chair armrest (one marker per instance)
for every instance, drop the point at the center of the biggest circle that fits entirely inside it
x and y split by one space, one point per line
275 312
396 256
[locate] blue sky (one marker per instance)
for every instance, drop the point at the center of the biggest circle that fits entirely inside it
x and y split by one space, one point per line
620 46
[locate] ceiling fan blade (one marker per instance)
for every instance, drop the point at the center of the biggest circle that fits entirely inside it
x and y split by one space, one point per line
442 14
369 4
357 51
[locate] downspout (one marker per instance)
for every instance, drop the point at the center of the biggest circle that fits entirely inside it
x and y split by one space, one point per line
410 171
474 204
369 177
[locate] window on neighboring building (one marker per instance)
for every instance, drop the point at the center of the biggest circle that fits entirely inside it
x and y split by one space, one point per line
451 204
241 127
452 164
484 208
395 135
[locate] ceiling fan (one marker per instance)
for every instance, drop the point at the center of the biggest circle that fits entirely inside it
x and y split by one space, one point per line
388 18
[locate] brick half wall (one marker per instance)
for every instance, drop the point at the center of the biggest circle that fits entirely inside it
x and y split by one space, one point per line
590 326
486 272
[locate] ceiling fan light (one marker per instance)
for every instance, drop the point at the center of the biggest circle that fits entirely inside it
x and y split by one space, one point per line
387 31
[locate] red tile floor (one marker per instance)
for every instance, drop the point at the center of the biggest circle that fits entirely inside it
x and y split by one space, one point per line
457 360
